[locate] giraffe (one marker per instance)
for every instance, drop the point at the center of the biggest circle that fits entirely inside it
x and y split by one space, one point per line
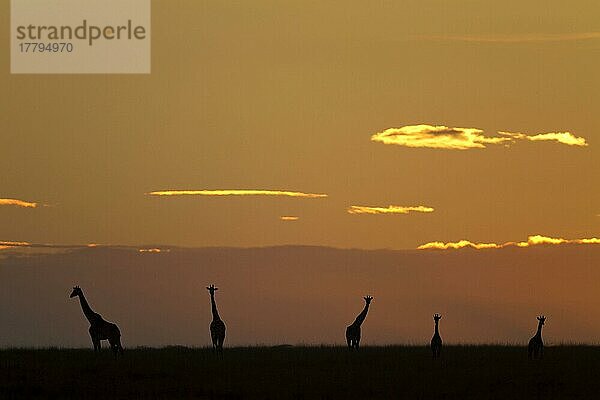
99 328
436 340
217 326
353 331
535 349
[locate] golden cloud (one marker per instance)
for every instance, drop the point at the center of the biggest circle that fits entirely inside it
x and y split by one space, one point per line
18 203
235 192
437 137
561 137
289 218
443 137
388 209
531 241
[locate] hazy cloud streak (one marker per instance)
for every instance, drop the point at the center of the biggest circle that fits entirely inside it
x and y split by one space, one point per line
8 245
531 241
18 203
289 218
235 192
562 137
154 250
388 209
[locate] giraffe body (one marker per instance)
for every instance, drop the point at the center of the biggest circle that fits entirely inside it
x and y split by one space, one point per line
353 330
100 329
217 326
535 350
217 334
436 340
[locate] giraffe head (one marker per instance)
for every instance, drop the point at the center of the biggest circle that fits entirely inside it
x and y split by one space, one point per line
368 299
76 292
437 317
212 289
542 319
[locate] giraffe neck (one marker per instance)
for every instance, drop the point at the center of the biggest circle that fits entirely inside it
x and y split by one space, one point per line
361 317
215 313
437 332
539 330
87 310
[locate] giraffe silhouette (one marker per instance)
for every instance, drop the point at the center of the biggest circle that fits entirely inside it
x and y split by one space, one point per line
217 326
535 349
99 328
353 331
436 340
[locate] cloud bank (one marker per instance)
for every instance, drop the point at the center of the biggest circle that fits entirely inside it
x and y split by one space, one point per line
15 245
235 192
388 209
443 137
18 203
531 241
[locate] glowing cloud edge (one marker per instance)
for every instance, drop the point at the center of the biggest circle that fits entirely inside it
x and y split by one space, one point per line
532 240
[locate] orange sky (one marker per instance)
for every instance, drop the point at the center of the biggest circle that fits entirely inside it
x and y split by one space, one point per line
482 113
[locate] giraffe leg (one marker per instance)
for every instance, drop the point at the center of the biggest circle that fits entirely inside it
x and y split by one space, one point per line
115 345
349 337
95 340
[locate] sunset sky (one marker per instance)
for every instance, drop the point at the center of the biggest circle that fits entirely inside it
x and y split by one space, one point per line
355 125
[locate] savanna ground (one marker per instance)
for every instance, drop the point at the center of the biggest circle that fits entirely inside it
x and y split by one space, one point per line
464 372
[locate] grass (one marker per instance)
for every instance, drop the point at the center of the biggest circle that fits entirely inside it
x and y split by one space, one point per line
464 372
